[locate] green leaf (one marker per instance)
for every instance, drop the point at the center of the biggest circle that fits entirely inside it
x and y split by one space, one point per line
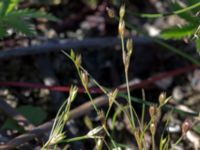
196 128
178 32
4 7
19 25
19 19
32 13
34 114
187 16
192 2
2 31
197 41
12 5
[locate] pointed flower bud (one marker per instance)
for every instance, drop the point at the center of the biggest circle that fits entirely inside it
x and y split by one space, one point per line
162 98
72 55
152 128
78 61
84 78
56 138
96 132
102 118
72 93
99 144
152 111
112 96
129 46
122 11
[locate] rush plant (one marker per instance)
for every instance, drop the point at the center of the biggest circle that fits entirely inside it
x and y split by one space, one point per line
138 127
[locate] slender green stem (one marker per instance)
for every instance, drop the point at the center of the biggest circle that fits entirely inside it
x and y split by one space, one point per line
153 141
177 12
123 48
169 47
129 99
108 111
112 141
178 141
143 108
91 99
177 51
75 139
127 82
142 119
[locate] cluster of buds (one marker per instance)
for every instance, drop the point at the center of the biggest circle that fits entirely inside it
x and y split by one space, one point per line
153 111
129 44
76 59
121 26
127 56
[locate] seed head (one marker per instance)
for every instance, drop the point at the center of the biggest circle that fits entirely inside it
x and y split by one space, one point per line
111 12
112 96
152 111
56 138
153 128
95 133
99 144
102 118
121 28
122 12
